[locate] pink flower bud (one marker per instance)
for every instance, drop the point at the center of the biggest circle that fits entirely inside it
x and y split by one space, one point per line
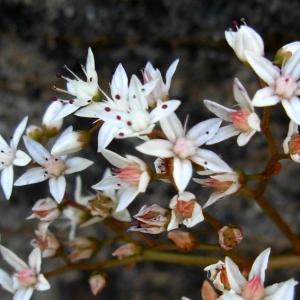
97 283
127 250
185 241
229 237
101 205
83 248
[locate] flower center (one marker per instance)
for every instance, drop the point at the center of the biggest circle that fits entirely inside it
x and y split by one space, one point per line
7 156
55 166
220 185
184 148
253 289
285 87
240 119
140 120
130 174
27 277
185 208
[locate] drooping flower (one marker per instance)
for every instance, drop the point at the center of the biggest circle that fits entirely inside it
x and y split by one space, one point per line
27 277
126 250
185 210
245 39
152 219
184 147
83 248
52 167
217 274
245 122
283 84
291 144
85 92
161 89
185 241
225 183
10 156
131 174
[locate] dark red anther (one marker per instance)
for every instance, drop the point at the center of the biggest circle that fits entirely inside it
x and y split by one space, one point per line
71 101
129 123
58 75
235 23
91 79
54 98
118 117
121 134
164 106
118 97
107 109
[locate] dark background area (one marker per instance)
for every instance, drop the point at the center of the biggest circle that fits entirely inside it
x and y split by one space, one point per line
38 37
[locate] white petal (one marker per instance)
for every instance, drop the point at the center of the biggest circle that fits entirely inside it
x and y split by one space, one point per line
42 284
182 173
63 135
159 148
241 95
219 110
265 97
36 150
285 291
7 178
13 259
65 111
111 183
119 84
18 133
163 109
172 127
106 135
292 67
90 62
204 131
90 111
254 121
24 293
223 133
260 265
6 281
292 108
235 278
196 217
210 160
126 198
35 259
33 175
170 73
230 37
115 159
77 164
174 222
21 158
3 142
213 198
57 187
244 137
263 68
137 96
122 215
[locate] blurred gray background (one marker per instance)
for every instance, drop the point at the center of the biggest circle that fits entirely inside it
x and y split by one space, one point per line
38 37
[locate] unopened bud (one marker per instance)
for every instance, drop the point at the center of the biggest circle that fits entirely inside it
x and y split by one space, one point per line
35 133
229 237
71 142
285 53
185 241
83 248
102 206
126 250
50 128
97 283
45 210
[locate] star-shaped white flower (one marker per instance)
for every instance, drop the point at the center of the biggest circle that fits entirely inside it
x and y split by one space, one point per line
52 167
85 92
283 84
10 156
27 277
184 147
161 90
131 174
245 121
138 120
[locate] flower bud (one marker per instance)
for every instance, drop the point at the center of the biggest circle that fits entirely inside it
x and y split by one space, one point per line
97 283
229 237
127 250
71 142
45 210
83 248
101 205
50 128
245 39
285 53
35 133
185 241
151 219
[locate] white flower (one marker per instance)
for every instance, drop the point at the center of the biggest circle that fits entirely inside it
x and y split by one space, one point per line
253 288
131 174
245 39
28 277
225 183
9 156
85 92
161 89
245 121
52 128
216 273
52 167
184 148
185 210
138 121
283 85
291 144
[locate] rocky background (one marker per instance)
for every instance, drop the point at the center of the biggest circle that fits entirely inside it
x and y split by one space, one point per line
38 37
